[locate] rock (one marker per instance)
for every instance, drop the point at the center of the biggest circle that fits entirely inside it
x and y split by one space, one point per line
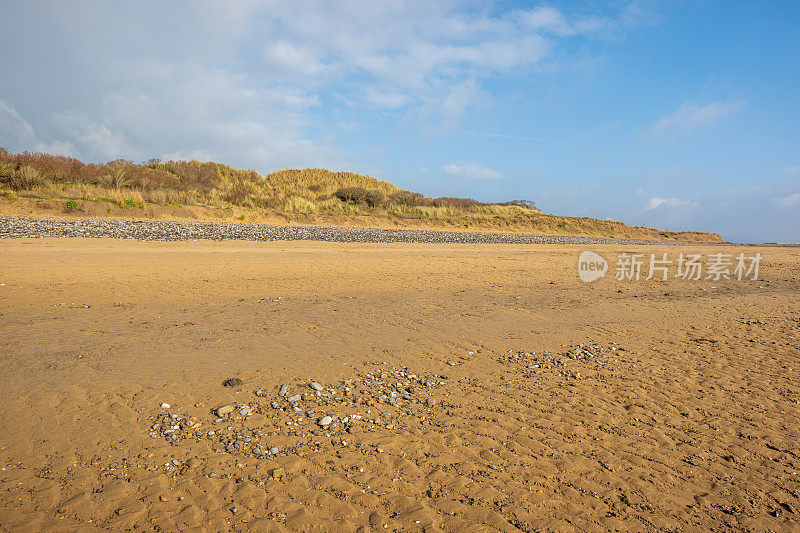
223 410
325 421
232 382
275 405
274 450
278 473
165 406
284 390
244 411
295 398
316 386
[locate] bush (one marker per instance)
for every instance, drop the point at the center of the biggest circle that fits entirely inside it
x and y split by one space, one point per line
455 202
375 198
360 195
25 177
351 195
72 205
407 198
115 176
527 204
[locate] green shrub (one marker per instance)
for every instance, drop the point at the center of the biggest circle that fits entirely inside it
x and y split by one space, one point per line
72 205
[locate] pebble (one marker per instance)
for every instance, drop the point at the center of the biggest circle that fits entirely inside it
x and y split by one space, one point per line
284 390
165 406
237 436
223 410
162 230
232 382
316 386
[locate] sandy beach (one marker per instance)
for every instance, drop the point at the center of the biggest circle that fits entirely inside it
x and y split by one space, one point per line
455 388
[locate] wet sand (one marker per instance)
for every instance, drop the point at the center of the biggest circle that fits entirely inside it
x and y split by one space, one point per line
470 388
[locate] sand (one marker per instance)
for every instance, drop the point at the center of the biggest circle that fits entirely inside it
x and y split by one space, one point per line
680 411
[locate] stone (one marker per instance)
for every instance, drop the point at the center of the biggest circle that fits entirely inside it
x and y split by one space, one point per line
284 390
274 450
232 382
165 406
223 410
316 386
244 411
325 421
295 398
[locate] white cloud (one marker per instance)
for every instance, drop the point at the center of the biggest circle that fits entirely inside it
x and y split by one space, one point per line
245 81
789 200
472 172
15 130
656 202
792 170
689 117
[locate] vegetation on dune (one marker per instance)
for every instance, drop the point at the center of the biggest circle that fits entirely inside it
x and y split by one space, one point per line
290 191
310 195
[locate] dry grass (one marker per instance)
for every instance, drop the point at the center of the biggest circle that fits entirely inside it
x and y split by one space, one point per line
309 194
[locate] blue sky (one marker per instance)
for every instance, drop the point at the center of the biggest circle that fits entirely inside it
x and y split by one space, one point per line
679 115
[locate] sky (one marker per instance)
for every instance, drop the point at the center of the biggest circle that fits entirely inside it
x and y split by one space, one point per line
682 115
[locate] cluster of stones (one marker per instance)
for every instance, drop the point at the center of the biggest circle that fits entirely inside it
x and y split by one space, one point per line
561 363
157 230
376 400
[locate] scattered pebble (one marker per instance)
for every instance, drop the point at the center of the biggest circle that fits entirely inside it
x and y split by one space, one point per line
223 410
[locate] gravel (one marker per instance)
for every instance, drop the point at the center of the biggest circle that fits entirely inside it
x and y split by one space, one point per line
156 230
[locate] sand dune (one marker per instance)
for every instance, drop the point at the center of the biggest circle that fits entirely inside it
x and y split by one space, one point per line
468 388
